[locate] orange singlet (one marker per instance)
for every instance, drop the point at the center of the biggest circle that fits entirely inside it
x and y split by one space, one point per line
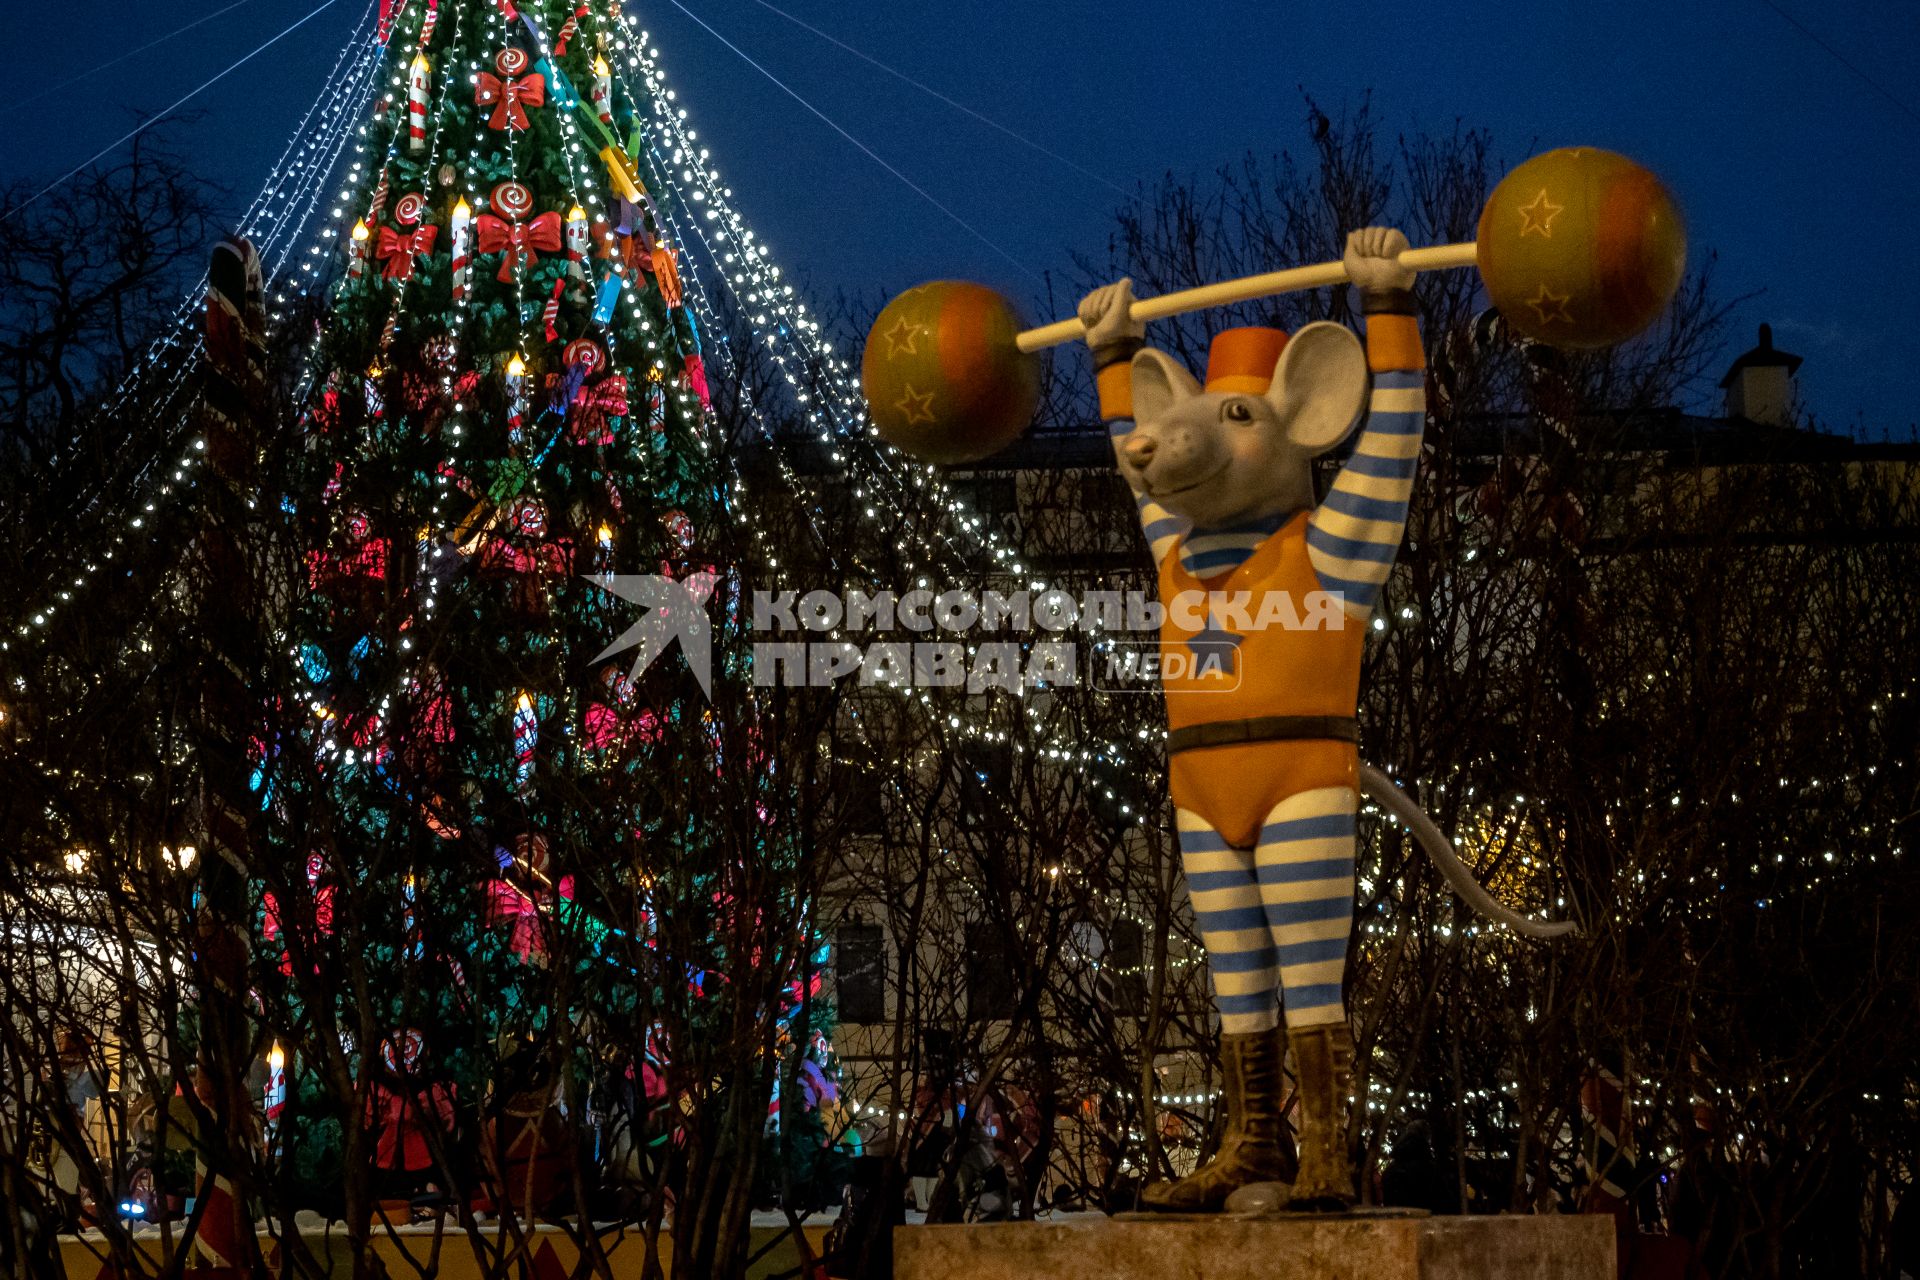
1273 671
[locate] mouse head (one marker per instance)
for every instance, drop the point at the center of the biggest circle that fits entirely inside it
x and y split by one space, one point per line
1242 447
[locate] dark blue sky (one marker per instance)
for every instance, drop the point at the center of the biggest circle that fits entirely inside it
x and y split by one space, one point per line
1798 174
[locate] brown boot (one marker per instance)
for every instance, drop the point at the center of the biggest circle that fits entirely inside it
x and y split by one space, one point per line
1323 1065
1254 1147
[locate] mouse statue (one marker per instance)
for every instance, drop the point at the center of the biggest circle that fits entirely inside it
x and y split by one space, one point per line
1267 600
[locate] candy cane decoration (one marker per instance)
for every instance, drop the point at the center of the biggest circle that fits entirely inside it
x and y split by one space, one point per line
568 31
526 739
579 239
427 23
461 226
551 312
602 95
417 105
379 203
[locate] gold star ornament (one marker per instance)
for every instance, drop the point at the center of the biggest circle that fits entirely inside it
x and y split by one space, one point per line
1580 248
915 406
944 377
902 338
1537 218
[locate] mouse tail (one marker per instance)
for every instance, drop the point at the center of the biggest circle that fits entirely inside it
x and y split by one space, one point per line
1379 788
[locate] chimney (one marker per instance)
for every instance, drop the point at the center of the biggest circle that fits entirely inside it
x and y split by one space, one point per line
1759 386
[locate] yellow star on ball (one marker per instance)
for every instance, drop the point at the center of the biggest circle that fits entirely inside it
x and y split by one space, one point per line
903 338
1537 218
1551 306
917 406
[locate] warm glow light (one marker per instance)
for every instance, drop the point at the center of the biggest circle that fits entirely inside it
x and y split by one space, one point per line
77 860
277 1057
525 702
360 232
516 367
606 534
179 859
576 214
600 67
463 209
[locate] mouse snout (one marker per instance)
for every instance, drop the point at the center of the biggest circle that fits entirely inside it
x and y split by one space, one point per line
1139 450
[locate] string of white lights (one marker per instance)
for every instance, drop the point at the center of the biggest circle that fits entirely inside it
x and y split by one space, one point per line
168 418
843 424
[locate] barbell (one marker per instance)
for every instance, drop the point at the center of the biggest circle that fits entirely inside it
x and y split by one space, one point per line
1578 247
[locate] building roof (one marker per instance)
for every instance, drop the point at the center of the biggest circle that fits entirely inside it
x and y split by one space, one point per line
1764 356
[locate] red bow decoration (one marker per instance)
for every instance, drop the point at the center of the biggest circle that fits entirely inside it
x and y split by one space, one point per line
519 239
429 401
368 560
398 249
326 414
593 405
509 98
553 558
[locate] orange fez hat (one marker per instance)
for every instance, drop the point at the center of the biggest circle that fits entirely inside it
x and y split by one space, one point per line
1241 361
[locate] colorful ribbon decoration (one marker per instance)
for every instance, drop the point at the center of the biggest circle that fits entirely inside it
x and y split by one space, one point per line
509 98
622 174
559 88
607 299
518 239
399 249
666 274
696 372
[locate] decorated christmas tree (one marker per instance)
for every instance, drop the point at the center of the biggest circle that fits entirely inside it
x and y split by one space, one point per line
507 878
518 878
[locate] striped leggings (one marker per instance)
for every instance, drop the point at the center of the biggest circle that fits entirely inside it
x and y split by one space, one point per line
1275 918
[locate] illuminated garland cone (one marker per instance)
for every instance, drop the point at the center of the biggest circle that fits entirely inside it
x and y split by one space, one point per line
943 378
1581 247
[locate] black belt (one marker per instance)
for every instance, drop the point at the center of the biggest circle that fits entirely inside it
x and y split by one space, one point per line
1228 733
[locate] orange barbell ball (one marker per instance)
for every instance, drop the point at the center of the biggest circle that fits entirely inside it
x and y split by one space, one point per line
1581 247
943 378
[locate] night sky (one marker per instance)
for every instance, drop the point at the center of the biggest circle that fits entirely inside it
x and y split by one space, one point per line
1799 174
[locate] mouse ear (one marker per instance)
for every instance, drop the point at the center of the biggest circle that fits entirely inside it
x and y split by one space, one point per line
1319 385
1159 383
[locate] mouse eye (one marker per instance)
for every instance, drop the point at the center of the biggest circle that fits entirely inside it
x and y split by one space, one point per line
1236 411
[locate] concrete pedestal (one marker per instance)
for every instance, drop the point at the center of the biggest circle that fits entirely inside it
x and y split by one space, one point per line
1299 1247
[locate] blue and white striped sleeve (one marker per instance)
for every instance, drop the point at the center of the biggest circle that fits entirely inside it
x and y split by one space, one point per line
1353 536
